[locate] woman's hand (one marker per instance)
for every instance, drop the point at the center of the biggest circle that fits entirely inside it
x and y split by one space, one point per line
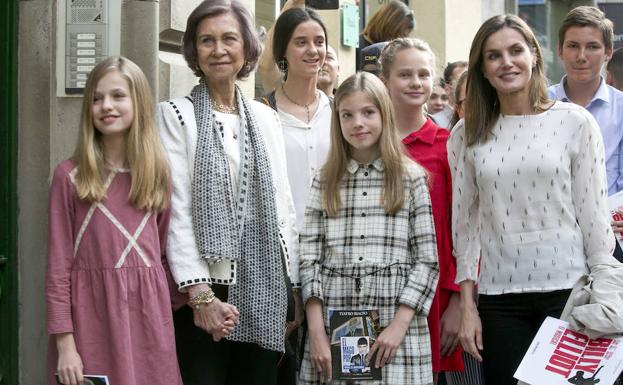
470 332
299 314
450 325
217 318
617 225
69 365
320 353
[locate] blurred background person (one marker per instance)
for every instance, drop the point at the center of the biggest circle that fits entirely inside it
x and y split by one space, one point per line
329 73
458 94
438 100
614 70
450 74
392 20
370 58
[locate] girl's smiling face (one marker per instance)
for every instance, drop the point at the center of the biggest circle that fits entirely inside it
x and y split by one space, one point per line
410 79
112 108
362 124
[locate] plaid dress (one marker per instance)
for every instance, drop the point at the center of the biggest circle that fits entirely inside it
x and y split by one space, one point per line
394 256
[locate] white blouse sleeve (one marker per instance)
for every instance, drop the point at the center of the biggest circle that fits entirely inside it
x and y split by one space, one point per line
589 192
465 206
186 265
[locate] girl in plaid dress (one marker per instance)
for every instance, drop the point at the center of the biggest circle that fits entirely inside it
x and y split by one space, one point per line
369 240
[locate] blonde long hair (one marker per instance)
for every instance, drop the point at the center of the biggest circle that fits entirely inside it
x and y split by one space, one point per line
145 156
390 147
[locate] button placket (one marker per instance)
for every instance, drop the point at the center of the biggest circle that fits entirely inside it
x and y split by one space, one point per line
362 197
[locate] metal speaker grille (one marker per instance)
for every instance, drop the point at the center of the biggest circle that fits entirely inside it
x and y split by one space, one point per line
86 15
86 3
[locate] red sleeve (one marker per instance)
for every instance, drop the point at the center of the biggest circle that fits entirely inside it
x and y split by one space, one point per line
60 252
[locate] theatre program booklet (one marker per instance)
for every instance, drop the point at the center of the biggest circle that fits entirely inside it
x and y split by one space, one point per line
352 333
561 356
91 380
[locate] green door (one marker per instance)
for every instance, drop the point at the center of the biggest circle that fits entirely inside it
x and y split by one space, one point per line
8 192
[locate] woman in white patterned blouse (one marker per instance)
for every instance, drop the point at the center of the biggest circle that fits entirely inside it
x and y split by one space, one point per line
529 197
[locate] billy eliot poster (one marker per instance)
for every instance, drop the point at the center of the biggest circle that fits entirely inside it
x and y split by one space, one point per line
561 356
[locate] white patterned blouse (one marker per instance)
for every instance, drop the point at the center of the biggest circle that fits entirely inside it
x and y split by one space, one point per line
530 201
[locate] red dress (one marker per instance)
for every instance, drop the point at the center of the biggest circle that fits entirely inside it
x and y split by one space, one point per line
106 283
427 146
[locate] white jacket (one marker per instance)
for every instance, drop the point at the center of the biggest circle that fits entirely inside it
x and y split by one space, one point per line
180 141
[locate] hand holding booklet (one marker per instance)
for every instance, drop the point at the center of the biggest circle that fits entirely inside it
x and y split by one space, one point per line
561 356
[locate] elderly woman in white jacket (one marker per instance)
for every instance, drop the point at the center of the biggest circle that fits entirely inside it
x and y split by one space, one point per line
232 242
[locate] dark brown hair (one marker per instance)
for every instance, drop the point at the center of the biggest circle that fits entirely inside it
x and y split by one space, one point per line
284 28
482 106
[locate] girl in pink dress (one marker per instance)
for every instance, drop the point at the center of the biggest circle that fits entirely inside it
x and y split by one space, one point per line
108 303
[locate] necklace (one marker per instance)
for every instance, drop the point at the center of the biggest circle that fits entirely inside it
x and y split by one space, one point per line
225 109
306 106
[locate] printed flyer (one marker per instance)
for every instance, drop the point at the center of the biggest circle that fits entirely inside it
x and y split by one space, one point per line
561 356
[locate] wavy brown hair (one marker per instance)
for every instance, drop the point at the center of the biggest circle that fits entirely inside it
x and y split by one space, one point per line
482 106
145 156
390 146
389 22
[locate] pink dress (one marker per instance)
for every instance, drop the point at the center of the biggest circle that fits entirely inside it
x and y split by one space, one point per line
106 283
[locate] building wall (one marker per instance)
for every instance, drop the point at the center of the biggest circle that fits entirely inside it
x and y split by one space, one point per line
37 149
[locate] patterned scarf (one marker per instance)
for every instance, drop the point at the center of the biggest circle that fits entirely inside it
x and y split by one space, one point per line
243 228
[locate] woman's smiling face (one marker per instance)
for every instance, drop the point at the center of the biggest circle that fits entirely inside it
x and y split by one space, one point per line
306 49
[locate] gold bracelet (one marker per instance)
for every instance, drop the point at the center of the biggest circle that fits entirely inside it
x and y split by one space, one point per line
205 297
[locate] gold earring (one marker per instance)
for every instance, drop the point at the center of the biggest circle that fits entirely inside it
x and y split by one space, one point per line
283 65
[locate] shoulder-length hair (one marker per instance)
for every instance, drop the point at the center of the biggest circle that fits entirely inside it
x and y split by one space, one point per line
391 149
389 22
284 28
482 106
149 168
210 8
